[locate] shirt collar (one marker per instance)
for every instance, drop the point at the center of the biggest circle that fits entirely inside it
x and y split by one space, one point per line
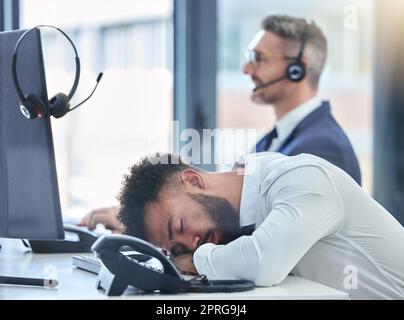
250 192
286 124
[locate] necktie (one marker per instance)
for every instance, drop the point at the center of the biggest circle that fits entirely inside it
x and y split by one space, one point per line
264 144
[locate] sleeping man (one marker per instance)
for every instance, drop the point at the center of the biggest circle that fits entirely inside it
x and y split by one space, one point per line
270 216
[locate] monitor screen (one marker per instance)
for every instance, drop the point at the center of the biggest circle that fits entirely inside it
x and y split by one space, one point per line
29 195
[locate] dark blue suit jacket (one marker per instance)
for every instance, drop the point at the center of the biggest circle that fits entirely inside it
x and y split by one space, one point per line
319 134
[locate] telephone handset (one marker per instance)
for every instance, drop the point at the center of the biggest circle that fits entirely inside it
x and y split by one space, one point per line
118 270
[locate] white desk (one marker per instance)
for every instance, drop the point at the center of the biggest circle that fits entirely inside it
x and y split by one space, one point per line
15 260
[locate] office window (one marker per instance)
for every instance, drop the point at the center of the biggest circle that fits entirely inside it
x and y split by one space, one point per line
346 80
131 111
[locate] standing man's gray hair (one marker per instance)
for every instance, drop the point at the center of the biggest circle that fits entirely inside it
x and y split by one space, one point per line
292 29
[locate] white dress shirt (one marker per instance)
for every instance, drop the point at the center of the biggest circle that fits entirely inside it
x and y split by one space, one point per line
286 124
312 220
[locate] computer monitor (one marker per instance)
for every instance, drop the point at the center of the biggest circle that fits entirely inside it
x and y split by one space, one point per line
29 195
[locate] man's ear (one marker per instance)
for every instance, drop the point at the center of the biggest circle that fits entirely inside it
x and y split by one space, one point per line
193 179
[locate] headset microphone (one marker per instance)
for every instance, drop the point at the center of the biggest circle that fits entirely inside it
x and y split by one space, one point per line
96 85
267 84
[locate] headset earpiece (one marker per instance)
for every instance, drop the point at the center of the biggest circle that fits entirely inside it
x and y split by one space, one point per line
296 71
59 105
32 107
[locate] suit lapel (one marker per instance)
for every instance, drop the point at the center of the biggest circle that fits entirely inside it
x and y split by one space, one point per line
317 114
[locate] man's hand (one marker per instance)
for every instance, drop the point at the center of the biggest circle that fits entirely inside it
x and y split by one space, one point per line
184 264
106 216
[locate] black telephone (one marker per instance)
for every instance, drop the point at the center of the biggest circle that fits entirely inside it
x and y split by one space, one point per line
119 270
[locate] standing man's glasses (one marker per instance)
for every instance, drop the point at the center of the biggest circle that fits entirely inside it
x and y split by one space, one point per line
252 57
255 58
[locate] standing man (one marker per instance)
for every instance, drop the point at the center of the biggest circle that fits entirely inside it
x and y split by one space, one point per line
285 61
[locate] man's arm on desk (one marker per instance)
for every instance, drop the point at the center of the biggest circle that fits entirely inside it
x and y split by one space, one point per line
107 216
301 213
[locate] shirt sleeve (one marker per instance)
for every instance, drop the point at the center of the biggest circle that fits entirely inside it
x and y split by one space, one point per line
303 207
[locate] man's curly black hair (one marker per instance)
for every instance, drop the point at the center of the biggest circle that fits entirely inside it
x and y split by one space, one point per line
146 180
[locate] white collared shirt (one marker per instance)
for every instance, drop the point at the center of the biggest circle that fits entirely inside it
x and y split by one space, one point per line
313 220
286 124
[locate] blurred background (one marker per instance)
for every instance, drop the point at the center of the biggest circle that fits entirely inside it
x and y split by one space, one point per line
131 111
181 60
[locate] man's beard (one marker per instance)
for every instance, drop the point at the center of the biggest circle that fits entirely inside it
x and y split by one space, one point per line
263 97
266 99
222 213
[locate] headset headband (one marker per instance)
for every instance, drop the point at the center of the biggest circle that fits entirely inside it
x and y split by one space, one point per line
303 40
14 63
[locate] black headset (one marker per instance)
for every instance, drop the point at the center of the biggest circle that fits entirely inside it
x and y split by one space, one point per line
296 70
33 106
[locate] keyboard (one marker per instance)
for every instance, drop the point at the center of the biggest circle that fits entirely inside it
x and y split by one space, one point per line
93 264
90 264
